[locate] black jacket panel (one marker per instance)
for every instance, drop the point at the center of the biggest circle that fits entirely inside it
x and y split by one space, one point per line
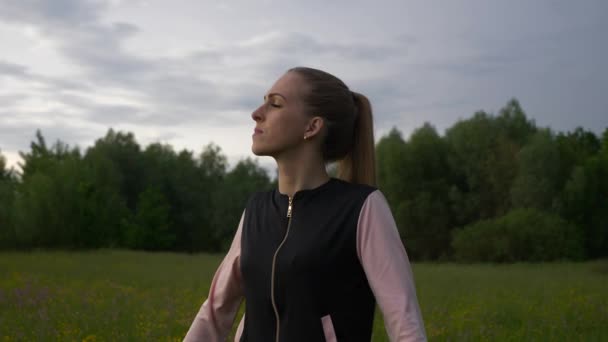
316 272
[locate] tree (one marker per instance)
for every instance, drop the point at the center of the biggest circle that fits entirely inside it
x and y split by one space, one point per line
584 203
8 183
423 212
124 152
482 155
574 149
513 123
472 143
193 204
149 228
245 178
48 205
103 205
39 159
213 163
521 235
537 182
389 150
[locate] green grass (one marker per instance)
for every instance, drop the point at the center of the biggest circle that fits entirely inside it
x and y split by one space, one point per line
126 296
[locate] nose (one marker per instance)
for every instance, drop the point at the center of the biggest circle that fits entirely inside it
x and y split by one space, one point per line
257 114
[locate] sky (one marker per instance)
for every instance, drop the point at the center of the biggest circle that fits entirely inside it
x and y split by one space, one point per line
188 73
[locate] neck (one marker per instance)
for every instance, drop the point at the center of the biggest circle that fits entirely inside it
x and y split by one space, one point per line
300 172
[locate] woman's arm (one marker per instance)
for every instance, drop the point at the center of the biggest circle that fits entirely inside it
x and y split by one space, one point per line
388 270
215 317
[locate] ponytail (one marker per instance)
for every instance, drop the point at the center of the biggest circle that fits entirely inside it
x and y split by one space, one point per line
359 164
350 130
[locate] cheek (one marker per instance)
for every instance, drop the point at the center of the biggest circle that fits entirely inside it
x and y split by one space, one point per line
285 127
281 133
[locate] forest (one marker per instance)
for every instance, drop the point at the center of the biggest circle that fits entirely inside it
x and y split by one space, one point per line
491 188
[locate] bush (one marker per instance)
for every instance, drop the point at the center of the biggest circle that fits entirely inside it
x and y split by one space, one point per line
521 235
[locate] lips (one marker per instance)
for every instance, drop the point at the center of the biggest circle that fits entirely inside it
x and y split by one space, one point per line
257 131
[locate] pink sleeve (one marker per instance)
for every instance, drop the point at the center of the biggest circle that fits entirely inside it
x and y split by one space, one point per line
239 329
215 317
388 270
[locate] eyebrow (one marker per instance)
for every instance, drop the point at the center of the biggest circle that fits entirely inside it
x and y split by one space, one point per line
275 94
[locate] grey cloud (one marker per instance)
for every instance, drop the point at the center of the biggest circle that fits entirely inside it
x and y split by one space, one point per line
214 57
388 96
10 100
180 90
12 69
435 68
124 29
22 73
177 89
481 65
76 26
15 135
294 43
166 136
298 42
181 93
56 12
107 114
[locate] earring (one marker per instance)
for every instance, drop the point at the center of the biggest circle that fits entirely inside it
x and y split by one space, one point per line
305 137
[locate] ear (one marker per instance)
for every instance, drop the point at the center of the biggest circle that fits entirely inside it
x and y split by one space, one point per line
314 127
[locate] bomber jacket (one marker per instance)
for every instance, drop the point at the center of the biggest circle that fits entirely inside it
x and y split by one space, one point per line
311 268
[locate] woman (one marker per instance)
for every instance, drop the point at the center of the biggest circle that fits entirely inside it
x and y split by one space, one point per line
313 257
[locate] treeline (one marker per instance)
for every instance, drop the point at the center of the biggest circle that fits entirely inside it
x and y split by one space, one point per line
497 188
492 188
120 195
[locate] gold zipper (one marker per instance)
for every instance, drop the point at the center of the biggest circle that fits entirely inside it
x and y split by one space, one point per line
274 259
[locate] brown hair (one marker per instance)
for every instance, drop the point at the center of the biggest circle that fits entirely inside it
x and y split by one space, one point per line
349 140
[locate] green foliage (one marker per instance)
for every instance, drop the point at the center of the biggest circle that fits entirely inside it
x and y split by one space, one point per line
486 173
575 147
125 153
584 202
149 228
103 205
389 150
49 206
537 181
483 160
521 235
131 296
419 174
244 179
118 195
8 183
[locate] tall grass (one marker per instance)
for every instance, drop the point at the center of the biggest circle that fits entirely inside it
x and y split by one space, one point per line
125 296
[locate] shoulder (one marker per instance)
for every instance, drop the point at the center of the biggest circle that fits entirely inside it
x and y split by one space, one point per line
354 190
348 197
257 196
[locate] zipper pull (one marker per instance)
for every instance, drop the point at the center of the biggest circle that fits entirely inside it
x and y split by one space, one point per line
289 208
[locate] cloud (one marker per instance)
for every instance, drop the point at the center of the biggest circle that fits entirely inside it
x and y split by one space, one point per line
201 86
57 12
10 100
12 69
16 134
416 63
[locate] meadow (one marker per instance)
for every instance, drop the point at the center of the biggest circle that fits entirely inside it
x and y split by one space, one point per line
113 295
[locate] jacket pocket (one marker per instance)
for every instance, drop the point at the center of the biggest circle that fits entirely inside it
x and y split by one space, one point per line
328 329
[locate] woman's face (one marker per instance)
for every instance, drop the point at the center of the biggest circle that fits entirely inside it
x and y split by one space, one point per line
281 121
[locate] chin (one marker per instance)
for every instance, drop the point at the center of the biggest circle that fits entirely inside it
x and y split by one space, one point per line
262 151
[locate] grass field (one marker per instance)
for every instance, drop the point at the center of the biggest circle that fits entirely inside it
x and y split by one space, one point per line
131 296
